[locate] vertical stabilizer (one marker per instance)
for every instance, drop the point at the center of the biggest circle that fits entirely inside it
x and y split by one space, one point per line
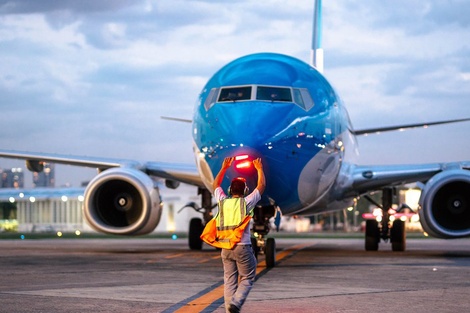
317 51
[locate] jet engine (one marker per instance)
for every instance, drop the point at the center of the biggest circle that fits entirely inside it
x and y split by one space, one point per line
122 201
445 205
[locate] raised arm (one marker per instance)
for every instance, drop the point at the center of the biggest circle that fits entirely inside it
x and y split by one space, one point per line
261 179
220 176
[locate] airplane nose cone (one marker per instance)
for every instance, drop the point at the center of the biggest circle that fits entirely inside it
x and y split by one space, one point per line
249 124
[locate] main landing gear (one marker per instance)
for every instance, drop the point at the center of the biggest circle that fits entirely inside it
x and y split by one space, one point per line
384 229
196 225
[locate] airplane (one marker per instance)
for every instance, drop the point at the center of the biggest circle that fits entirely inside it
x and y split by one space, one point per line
284 111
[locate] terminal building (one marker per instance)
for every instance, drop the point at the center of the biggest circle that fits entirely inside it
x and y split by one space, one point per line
12 178
45 208
46 178
60 210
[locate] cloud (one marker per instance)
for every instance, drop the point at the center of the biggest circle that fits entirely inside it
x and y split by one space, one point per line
77 7
94 77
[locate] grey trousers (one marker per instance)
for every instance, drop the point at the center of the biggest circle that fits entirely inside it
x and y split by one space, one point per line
239 274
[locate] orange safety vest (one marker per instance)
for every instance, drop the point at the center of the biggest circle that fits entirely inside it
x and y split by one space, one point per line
226 229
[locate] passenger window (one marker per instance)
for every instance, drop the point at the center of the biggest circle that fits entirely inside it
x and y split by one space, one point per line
273 94
235 94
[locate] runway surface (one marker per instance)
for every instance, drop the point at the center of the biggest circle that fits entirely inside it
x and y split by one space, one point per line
163 275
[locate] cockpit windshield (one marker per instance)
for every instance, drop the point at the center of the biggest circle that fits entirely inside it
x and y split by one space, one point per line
299 96
235 94
273 94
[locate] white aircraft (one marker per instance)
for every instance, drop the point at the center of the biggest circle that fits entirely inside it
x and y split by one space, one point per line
284 111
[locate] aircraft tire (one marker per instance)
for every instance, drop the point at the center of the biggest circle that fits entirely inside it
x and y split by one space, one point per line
372 235
195 230
255 247
270 252
398 236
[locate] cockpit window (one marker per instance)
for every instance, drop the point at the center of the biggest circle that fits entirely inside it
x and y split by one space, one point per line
299 96
303 99
211 98
274 94
235 94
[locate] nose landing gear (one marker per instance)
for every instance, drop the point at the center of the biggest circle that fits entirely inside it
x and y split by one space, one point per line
261 228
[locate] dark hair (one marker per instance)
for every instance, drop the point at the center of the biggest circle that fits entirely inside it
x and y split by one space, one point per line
238 187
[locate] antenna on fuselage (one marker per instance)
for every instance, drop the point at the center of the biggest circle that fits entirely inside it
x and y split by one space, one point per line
317 51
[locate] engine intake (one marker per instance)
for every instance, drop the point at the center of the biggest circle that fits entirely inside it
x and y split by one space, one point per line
445 205
122 201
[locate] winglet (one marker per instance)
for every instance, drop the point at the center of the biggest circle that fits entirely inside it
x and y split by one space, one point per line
317 50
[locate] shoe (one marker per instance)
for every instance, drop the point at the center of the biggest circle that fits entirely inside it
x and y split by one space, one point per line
233 309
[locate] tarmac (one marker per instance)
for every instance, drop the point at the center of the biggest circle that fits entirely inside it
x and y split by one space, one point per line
163 275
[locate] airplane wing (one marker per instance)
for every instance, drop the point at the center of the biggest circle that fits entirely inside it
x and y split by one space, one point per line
367 131
366 178
94 162
185 173
374 177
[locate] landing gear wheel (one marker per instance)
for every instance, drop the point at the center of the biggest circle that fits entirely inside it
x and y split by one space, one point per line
195 231
372 235
270 252
398 236
255 247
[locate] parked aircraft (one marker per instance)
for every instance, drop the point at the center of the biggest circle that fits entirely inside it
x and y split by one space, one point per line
284 111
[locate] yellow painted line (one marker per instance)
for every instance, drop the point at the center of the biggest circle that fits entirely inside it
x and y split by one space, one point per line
152 261
199 304
212 258
173 256
202 302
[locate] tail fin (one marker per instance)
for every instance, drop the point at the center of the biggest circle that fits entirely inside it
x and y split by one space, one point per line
317 51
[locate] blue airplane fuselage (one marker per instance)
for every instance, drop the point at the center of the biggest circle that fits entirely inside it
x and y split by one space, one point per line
284 111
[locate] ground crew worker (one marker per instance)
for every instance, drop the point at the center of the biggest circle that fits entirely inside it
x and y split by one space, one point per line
240 262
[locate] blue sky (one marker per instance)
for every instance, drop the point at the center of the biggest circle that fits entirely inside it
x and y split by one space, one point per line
93 77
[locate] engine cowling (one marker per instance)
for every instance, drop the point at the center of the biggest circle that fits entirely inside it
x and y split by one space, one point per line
122 201
445 205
